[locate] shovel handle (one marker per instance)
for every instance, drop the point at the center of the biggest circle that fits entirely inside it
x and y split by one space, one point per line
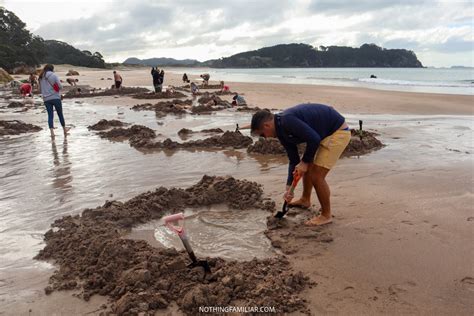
296 178
174 218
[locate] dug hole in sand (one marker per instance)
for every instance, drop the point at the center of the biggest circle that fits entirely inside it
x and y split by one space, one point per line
94 258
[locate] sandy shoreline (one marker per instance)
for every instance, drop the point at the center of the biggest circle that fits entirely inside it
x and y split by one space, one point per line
266 95
402 234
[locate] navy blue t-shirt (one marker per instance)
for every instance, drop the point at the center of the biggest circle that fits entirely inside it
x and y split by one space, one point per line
305 123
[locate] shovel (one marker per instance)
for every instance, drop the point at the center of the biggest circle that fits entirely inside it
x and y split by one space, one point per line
286 207
182 235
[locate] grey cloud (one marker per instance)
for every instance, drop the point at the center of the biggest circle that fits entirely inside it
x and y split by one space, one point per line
133 18
344 7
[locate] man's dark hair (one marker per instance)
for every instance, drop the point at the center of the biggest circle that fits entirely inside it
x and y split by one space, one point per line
259 118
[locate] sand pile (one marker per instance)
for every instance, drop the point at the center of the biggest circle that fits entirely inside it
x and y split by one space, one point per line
163 106
72 73
185 131
93 257
17 127
357 146
208 97
248 109
138 131
362 142
227 140
159 95
15 104
106 92
267 146
5 76
105 124
210 86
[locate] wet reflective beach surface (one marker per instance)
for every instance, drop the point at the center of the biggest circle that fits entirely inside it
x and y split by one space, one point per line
43 179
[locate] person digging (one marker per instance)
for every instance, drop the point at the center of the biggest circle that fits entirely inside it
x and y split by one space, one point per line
326 135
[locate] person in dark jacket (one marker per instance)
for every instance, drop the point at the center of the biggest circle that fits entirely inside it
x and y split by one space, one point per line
185 78
157 84
326 135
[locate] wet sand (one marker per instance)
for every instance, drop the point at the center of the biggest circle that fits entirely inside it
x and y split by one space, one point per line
402 237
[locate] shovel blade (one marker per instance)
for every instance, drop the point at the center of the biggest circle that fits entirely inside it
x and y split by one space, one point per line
283 211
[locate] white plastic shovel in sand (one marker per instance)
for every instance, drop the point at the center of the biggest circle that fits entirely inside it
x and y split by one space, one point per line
182 235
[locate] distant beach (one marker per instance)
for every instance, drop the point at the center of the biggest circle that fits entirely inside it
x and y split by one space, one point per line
428 80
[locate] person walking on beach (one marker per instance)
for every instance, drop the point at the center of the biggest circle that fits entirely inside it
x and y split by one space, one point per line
162 78
50 86
155 73
326 135
118 80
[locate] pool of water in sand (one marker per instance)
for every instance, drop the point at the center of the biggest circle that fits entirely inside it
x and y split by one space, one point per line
43 179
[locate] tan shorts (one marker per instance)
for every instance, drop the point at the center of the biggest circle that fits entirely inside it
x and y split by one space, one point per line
331 148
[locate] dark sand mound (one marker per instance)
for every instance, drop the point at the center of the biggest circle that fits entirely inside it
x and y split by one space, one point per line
15 104
72 73
93 257
105 124
362 142
267 146
163 106
227 140
357 146
17 127
208 97
159 95
248 109
139 131
184 132
107 92
210 86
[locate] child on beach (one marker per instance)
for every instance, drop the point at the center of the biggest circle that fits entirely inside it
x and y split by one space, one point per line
326 135
25 89
50 87
238 100
33 80
224 88
194 88
118 80
71 81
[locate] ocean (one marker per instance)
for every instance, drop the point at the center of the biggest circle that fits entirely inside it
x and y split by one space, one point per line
430 80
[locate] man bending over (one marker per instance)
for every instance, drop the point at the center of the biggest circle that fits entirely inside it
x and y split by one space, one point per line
326 135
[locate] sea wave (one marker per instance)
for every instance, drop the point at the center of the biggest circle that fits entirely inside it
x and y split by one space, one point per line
460 84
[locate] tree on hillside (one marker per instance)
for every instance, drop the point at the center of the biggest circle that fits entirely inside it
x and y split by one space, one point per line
17 45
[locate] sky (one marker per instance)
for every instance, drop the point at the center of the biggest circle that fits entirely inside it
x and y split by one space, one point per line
439 32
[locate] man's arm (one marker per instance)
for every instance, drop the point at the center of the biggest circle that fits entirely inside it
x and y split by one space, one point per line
294 157
303 131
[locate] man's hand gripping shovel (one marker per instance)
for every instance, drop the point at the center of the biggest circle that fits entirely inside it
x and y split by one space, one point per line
168 220
291 190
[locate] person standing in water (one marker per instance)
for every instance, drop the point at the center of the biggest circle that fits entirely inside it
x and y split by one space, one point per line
50 85
118 80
